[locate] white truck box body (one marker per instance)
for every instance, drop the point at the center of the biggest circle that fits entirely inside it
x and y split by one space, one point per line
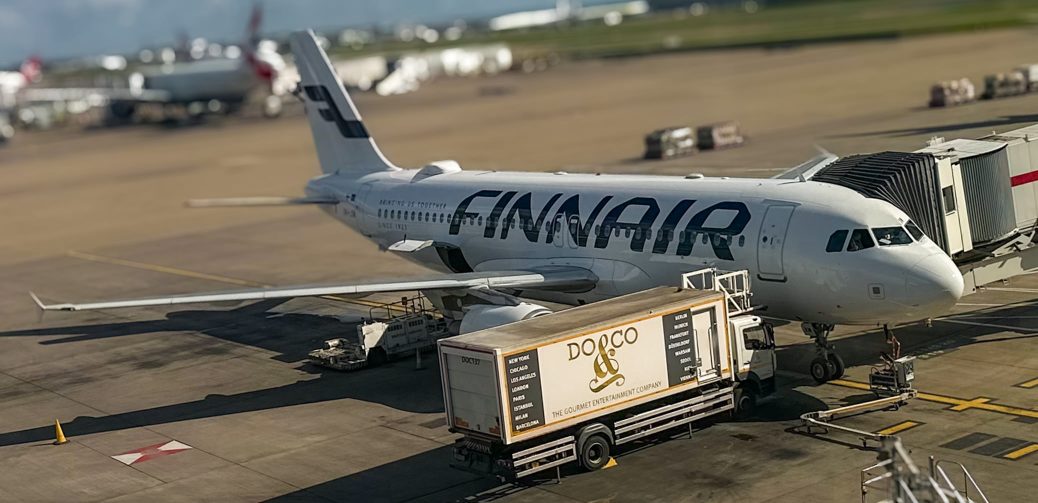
533 377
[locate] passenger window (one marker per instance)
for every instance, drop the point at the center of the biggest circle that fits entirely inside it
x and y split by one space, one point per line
616 231
860 240
627 232
891 236
481 220
836 241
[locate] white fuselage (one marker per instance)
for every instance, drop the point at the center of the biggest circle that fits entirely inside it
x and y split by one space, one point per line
636 232
229 80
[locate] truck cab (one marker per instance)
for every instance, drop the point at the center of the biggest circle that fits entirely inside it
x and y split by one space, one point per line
754 363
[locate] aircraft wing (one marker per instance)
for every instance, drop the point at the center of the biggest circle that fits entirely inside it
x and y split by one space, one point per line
560 278
103 94
808 168
226 202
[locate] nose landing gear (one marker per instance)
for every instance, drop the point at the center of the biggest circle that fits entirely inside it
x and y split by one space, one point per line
827 364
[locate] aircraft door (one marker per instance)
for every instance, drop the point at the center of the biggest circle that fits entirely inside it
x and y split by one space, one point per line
557 231
574 230
772 239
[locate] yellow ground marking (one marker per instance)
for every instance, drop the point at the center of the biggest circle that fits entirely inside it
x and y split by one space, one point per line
897 428
969 404
1028 384
176 271
1021 452
947 400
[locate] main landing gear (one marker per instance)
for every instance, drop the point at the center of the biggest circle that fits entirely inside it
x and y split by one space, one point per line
827 365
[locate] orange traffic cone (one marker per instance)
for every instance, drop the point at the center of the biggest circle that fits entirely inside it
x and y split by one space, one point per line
59 436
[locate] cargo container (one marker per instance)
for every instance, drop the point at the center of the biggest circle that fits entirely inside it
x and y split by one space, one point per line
1030 73
571 386
669 142
952 92
720 135
1005 84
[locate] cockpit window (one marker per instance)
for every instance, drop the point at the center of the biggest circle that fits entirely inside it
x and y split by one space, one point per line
860 240
914 230
836 241
891 236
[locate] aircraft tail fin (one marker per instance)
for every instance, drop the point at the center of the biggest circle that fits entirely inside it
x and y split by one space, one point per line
342 141
32 68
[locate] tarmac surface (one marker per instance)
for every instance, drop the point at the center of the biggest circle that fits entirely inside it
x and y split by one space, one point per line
98 214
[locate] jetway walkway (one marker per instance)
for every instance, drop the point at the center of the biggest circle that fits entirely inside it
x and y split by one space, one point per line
976 199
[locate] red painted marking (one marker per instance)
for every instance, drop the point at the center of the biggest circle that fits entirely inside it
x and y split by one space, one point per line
151 452
1024 178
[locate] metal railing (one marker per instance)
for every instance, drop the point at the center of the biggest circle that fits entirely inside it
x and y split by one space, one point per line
897 478
735 286
403 307
967 479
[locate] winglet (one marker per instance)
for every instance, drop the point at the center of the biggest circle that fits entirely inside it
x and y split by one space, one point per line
39 304
50 307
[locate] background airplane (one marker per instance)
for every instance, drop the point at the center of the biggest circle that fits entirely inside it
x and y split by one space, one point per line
215 85
820 254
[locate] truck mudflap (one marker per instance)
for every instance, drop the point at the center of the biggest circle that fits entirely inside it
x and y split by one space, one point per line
480 457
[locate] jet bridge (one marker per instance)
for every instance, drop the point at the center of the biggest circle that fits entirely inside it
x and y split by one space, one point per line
977 199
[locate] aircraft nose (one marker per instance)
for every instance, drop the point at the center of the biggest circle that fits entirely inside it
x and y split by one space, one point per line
935 284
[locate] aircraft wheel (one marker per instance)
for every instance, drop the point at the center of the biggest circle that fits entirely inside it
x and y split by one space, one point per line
595 453
821 370
837 365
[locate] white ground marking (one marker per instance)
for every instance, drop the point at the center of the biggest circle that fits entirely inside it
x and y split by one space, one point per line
990 325
128 458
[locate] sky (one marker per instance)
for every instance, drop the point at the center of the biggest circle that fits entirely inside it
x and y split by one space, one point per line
63 28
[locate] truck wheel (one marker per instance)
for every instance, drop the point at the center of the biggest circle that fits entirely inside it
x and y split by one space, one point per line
821 370
745 403
377 357
837 365
595 453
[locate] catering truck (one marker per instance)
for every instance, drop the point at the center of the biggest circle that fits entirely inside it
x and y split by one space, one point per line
571 386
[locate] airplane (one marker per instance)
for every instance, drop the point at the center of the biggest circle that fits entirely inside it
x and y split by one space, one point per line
12 82
819 254
229 82
192 86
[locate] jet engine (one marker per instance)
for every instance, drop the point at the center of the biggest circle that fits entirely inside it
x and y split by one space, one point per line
480 316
